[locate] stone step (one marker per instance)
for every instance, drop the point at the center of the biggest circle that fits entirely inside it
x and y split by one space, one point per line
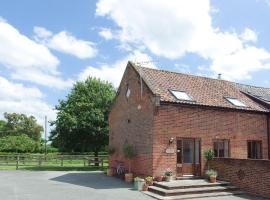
193 196
185 191
187 177
189 184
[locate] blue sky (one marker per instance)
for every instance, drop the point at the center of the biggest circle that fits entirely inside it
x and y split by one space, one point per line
45 46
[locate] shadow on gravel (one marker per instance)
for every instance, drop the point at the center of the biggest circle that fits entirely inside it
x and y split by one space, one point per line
95 180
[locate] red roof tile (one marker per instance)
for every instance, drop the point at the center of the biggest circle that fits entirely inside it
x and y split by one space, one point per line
204 91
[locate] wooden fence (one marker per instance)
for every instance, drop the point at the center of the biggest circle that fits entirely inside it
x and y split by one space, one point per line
28 160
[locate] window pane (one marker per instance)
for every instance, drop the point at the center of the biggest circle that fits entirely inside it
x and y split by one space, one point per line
249 149
236 102
221 149
216 148
188 151
255 149
181 95
226 148
258 150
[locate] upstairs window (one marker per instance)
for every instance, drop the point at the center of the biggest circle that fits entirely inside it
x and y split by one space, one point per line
235 102
180 95
221 148
255 149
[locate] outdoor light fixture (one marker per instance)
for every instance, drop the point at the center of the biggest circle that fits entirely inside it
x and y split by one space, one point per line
171 140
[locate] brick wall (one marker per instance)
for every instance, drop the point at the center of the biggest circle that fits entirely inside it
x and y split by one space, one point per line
252 176
206 124
131 122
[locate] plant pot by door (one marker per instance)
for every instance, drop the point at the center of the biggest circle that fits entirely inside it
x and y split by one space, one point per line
168 178
213 179
145 187
109 172
129 177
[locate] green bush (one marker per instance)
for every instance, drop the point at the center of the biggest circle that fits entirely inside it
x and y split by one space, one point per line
18 144
129 153
110 150
211 172
209 155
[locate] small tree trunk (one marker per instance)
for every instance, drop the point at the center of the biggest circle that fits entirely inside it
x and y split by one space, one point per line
96 159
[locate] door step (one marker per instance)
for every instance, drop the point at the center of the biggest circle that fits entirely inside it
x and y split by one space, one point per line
191 188
198 190
187 177
192 196
184 184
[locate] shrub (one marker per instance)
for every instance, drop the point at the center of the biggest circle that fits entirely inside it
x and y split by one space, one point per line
209 155
211 172
168 172
129 153
110 150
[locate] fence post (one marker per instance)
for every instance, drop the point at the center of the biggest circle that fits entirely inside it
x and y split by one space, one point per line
39 161
17 162
102 163
84 162
62 162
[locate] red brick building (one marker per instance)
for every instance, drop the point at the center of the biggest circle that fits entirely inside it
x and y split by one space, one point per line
172 118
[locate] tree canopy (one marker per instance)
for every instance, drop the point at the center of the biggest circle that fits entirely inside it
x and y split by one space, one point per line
82 119
18 143
17 124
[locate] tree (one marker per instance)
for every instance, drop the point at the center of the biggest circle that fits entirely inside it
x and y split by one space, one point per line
19 144
82 119
17 124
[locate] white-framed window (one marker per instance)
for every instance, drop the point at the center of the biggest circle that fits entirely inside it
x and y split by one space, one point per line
181 95
235 102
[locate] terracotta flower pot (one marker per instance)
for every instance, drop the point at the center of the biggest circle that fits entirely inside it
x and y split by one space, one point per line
145 187
159 178
213 179
109 172
129 177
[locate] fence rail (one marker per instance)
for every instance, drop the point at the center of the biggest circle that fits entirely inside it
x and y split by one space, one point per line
53 160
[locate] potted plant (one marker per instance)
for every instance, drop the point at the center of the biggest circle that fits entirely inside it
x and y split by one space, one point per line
168 174
149 180
159 178
212 175
111 151
145 187
129 153
209 155
138 183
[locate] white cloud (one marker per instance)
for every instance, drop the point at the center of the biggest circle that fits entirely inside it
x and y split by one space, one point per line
17 98
249 35
114 72
106 33
174 28
27 59
66 43
240 64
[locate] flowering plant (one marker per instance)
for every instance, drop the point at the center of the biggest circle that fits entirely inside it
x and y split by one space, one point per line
168 172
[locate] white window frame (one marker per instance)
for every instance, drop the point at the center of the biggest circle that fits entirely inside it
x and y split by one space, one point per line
186 98
236 102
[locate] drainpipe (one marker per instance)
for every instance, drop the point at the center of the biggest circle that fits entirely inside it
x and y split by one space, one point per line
268 134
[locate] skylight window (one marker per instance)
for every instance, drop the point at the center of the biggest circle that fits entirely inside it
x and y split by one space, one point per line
180 95
236 102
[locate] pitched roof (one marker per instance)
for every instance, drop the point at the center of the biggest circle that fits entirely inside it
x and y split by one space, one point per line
204 91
